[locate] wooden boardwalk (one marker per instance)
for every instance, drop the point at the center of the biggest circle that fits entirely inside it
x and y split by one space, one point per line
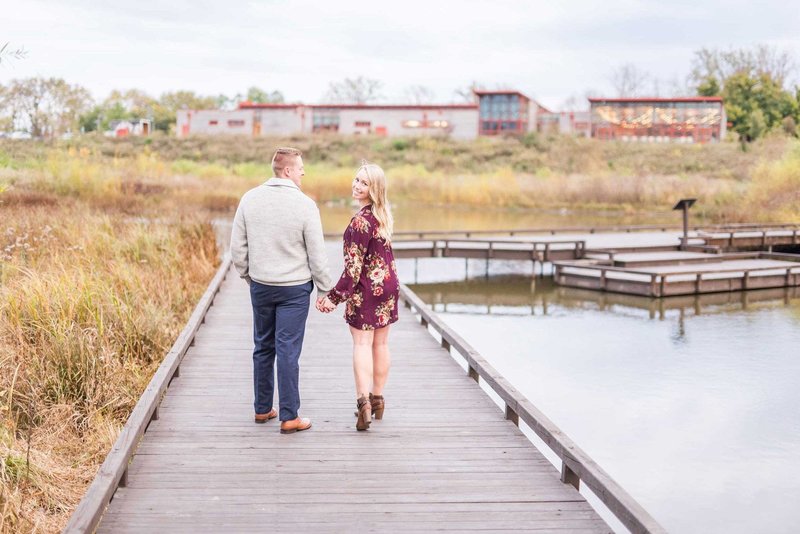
444 458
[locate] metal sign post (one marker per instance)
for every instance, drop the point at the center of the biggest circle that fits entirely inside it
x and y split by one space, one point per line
684 204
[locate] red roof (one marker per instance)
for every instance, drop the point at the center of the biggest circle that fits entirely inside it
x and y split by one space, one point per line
659 99
395 106
432 107
252 105
480 92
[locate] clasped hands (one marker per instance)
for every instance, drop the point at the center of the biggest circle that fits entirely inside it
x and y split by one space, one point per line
325 305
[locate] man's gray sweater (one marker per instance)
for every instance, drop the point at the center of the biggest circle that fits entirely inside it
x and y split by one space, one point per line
277 237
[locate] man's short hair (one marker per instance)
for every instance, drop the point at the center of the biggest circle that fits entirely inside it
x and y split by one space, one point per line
284 157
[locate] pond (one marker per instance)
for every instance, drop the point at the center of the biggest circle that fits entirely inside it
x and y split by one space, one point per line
690 403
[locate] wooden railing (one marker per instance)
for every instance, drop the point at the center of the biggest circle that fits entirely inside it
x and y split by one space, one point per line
539 250
576 465
113 471
422 234
730 236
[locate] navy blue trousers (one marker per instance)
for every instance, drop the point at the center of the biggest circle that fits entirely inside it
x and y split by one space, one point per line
279 323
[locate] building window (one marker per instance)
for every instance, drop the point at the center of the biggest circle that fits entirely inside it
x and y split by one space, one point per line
438 123
233 123
213 123
363 124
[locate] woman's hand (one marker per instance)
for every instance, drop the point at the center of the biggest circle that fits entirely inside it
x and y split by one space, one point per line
325 305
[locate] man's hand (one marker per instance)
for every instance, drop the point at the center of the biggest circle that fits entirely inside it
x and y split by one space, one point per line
325 305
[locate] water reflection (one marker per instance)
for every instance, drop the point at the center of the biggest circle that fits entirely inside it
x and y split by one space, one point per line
414 217
690 403
526 295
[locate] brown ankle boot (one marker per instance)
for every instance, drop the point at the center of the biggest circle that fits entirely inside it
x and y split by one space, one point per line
378 405
364 413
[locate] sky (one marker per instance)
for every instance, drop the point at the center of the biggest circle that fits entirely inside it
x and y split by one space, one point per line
551 51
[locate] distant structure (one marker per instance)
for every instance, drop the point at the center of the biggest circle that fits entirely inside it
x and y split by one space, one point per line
698 119
504 112
124 128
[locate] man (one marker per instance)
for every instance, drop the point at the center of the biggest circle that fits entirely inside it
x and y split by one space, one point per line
278 248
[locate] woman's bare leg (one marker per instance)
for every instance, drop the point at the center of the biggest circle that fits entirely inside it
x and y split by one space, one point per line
362 359
381 360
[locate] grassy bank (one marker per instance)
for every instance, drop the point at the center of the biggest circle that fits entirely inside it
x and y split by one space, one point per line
163 174
92 294
89 304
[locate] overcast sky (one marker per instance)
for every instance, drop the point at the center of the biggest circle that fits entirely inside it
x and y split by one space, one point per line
548 50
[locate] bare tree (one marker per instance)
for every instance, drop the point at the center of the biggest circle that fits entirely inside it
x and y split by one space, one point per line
629 80
7 52
712 63
677 87
45 106
419 94
572 103
354 91
467 94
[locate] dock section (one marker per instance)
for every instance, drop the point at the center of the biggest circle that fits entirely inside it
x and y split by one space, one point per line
444 458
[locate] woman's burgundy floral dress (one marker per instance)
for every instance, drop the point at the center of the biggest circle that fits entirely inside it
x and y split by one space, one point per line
369 283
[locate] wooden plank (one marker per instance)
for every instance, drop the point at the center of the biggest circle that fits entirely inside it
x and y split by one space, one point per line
112 471
578 463
443 446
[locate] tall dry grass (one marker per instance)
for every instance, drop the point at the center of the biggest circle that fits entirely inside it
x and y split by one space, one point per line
89 304
91 297
167 175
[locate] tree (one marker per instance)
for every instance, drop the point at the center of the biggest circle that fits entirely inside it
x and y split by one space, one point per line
354 91
45 106
467 94
260 96
166 109
629 80
752 86
129 104
419 94
8 52
722 64
133 103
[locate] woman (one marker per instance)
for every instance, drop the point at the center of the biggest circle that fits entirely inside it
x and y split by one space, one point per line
370 289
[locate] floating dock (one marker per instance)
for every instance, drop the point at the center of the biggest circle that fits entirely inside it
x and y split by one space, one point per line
667 273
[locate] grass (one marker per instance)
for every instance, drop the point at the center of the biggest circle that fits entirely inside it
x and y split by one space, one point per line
105 247
89 304
165 174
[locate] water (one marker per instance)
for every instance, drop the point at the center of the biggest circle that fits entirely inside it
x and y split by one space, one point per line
412 217
690 403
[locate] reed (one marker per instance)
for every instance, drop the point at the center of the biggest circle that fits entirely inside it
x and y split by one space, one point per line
92 295
89 304
166 175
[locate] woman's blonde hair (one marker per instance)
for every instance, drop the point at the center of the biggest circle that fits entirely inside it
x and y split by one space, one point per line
377 195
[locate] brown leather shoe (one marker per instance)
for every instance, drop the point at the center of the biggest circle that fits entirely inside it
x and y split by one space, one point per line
378 405
295 425
364 413
264 417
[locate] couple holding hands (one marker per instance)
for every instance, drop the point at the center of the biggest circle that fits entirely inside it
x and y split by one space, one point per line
277 246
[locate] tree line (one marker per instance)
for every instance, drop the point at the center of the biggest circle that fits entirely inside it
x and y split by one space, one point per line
48 107
755 83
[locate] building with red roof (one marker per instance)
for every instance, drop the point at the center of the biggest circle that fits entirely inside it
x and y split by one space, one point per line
696 119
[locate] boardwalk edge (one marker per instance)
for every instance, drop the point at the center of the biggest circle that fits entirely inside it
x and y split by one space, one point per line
113 471
577 465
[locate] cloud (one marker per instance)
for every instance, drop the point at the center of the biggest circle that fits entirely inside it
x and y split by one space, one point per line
550 50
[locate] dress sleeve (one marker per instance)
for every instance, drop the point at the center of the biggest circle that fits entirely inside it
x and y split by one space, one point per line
356 240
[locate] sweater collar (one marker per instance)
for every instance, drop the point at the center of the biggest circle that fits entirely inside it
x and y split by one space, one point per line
285 182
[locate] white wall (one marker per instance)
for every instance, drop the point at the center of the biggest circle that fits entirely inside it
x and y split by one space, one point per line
201 122
284 121
462 123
